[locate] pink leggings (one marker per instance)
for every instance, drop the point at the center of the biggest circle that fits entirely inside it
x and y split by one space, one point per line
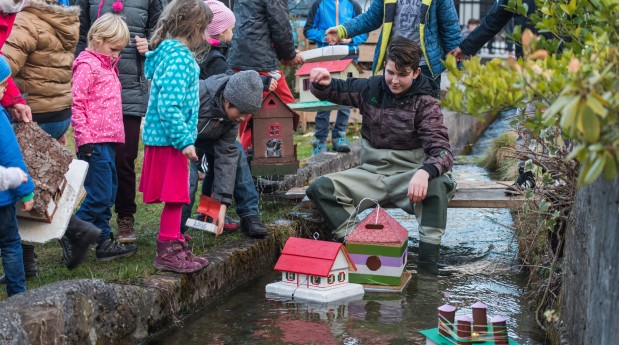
170 223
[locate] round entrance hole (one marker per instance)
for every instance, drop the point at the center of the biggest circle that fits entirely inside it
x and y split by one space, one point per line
373 263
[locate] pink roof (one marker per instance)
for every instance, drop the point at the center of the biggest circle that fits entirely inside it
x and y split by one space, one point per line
310 257
331 66
367 232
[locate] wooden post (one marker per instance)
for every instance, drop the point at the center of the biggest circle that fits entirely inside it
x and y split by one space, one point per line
479 311
500 332
446 319
463 329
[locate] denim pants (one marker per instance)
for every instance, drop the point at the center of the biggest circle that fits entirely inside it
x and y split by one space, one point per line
245 194
56 129
321 123
11 249
101 184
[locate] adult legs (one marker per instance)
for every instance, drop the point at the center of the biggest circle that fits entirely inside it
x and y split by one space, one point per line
125 202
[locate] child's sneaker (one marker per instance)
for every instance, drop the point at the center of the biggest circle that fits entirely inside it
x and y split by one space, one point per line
341 143
110 250
319 147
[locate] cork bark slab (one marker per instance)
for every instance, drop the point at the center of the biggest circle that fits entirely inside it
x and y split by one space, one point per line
35 232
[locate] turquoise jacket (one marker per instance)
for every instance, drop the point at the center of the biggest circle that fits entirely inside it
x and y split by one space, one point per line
439 30
172 113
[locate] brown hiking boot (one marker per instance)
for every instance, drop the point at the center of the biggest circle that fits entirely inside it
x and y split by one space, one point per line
126 232
202 261
171 256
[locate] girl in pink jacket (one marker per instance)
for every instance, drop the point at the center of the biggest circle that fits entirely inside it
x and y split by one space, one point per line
97 120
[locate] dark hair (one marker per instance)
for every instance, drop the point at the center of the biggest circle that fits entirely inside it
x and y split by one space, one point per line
405 53
473 21
187 19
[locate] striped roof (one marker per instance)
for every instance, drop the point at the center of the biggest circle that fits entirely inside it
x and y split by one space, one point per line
311 257
378 228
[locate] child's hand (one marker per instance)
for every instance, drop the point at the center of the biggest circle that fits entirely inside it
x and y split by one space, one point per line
297 60
142 45
190 153
28 205
321 76
273 84
21 113
221 219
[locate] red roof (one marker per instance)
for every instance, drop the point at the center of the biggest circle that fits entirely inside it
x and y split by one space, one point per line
311 257
367 232
331 66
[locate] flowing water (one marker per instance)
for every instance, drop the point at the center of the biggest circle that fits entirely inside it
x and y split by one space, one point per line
479 243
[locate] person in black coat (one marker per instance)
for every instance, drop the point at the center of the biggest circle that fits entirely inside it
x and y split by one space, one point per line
141 17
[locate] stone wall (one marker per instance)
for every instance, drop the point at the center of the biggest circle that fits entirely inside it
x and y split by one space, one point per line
95 312
590 287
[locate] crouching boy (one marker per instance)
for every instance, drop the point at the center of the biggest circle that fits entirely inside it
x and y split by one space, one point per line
225 101
405 150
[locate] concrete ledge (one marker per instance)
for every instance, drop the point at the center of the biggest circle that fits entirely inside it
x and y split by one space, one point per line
96 312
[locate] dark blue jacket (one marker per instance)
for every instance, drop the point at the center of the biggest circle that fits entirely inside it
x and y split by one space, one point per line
11 156
493 23
440 31
322 16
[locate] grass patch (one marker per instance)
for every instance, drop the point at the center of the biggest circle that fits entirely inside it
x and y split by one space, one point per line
131 269
499 157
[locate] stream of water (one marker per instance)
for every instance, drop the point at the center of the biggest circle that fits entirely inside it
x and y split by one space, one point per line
479 243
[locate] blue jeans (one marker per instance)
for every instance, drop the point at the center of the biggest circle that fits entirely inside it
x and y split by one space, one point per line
11 249
101 184
245 194
56 129
321 123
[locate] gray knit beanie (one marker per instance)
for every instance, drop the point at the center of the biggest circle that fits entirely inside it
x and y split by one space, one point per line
245 91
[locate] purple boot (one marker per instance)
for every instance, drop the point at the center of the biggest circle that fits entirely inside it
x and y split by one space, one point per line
188 251
171 256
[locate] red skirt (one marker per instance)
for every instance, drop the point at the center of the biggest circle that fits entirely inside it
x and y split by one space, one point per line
165 175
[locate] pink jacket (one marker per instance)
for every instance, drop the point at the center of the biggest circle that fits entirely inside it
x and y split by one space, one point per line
97 111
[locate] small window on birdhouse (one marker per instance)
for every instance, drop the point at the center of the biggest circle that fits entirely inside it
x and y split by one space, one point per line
373 263
350 75
306 84
290 276
341 277
331 279
271 104
275 130
315 280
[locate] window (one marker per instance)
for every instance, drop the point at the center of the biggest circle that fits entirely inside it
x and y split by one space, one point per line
306 84
315 280
275 130
290 276
331 279
350 75
341 277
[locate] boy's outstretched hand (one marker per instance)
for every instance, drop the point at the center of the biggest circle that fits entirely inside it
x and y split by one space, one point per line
320 76
190 153
418 186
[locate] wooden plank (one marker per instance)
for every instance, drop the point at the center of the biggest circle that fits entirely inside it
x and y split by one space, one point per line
373 37
487 195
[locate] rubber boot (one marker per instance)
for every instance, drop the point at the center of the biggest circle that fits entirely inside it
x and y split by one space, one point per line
428 260
79 236
30 266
